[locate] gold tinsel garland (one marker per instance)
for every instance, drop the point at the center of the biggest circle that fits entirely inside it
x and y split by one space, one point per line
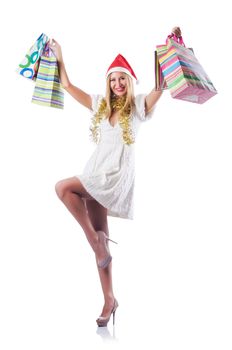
117 104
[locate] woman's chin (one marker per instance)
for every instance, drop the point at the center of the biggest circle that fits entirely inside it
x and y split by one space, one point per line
120 94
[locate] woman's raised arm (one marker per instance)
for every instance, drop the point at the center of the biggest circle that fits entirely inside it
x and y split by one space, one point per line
79 95
151 99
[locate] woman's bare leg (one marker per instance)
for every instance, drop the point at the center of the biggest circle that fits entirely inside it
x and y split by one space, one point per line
98 216
72 193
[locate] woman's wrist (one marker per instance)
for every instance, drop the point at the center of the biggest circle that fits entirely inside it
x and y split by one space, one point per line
60 60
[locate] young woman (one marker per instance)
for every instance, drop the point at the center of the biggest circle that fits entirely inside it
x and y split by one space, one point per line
106 185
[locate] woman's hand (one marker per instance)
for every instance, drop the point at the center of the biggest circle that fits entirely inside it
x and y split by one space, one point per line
56 49
176 31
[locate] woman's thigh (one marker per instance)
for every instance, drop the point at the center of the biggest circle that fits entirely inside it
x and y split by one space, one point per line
74 185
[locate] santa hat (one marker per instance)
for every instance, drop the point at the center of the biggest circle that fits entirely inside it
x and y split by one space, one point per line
120 64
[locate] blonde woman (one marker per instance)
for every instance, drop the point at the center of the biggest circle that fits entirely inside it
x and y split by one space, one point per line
106 185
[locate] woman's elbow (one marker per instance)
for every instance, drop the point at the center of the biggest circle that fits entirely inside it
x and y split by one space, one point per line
66 85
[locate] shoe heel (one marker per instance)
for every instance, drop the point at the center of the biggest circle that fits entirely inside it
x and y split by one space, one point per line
103 321
109 239
114 317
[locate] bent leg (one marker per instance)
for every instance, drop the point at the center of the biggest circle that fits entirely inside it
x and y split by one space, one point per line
98 216
72 193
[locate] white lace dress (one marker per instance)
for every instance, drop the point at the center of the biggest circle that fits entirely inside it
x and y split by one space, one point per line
109 174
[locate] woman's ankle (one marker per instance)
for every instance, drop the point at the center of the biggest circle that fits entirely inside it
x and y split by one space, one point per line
109 299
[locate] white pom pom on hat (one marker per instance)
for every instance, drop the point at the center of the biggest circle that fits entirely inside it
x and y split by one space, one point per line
120 64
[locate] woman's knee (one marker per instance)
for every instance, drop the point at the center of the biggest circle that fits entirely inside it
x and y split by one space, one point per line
61 189
71 185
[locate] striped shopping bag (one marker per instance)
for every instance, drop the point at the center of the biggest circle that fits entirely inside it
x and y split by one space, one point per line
48 90
185 77
160 83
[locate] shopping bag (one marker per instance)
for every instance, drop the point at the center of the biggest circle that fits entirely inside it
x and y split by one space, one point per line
185 77
160 83
29 66
48 90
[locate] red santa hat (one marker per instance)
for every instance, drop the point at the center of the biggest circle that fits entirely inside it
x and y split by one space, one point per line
120 64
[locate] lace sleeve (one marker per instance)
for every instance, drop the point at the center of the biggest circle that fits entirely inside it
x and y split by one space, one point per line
96 99
140 108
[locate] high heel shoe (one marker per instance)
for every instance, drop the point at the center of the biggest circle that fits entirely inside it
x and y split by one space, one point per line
103 321
103 239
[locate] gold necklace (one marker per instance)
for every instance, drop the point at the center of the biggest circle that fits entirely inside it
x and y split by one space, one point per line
117 104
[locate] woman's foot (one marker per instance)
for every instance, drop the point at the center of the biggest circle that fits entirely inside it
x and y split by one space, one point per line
102 252
109 308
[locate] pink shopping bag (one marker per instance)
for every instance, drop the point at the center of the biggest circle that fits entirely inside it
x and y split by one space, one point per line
184 75
160 83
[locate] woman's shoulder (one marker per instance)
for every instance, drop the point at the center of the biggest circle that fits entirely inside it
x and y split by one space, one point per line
140 107
140 97
139 102
96 100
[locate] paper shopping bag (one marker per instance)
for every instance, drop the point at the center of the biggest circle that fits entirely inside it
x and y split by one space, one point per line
185 77
29 66
160 83
48 90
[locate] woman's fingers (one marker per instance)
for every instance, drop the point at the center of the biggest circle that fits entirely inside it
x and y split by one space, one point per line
176 31
56 49
53 42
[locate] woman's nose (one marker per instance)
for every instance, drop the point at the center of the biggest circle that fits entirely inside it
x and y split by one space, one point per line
118 83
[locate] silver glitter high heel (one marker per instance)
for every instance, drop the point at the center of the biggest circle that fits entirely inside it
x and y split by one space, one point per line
103 239
103 321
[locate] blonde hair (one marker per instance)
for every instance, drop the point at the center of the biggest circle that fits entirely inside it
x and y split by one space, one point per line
124 105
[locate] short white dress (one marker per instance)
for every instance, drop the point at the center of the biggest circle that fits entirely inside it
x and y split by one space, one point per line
109 174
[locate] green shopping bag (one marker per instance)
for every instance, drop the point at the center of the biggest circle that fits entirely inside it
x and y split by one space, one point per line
48 90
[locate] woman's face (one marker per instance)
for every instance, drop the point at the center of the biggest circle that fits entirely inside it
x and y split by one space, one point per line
118 83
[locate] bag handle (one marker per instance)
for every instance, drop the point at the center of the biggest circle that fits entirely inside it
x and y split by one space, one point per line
47 51
177 39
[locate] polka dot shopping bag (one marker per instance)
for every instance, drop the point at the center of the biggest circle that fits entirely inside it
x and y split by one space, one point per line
28 68
40 65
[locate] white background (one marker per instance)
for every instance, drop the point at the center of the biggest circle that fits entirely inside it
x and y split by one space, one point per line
172 266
